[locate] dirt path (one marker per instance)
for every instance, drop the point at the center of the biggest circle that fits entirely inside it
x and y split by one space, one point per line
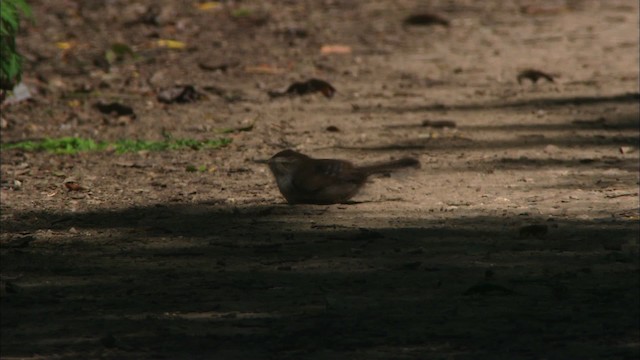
517 238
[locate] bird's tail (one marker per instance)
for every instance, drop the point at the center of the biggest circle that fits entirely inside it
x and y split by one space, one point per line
389 166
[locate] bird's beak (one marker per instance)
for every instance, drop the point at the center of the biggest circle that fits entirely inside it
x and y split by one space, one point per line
261 161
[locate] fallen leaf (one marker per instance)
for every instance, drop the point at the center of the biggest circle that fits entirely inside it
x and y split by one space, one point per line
115 109
208 6
65 45
335 49
307 87
74 103
217 67
534 75
426 19
263 69
439 123
73 186
171 44
124 120
229 95
179 94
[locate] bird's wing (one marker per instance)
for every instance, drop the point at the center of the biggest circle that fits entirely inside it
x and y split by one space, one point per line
326 172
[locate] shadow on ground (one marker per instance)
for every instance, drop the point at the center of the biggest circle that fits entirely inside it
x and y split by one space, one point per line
199 281
618 130
550 102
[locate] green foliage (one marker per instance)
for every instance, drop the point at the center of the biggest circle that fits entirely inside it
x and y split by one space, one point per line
193 168
241 12
67 145
118 52
73 145
10 61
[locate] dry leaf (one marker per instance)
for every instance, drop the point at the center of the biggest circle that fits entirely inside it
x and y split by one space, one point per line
217 66
208 6
426 19
179 94
626 150
171 44
73 186
307 87
335 49
74 103
65 45
534 75
439 123
263 69
115 109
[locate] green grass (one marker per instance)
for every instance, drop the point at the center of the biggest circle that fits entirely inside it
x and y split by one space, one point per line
193 168
73 145
11 61
241 12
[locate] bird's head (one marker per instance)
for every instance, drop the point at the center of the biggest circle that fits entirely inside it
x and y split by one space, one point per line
285 162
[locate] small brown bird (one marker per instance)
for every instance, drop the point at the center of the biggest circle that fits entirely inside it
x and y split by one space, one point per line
304 180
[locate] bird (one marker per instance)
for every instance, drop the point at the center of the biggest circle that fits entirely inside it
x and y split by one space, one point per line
305 180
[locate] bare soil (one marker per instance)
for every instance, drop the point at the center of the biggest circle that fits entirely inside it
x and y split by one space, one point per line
518 237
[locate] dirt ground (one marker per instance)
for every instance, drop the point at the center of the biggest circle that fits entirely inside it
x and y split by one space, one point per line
517 238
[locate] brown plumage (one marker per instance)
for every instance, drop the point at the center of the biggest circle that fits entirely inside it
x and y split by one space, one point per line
305 180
